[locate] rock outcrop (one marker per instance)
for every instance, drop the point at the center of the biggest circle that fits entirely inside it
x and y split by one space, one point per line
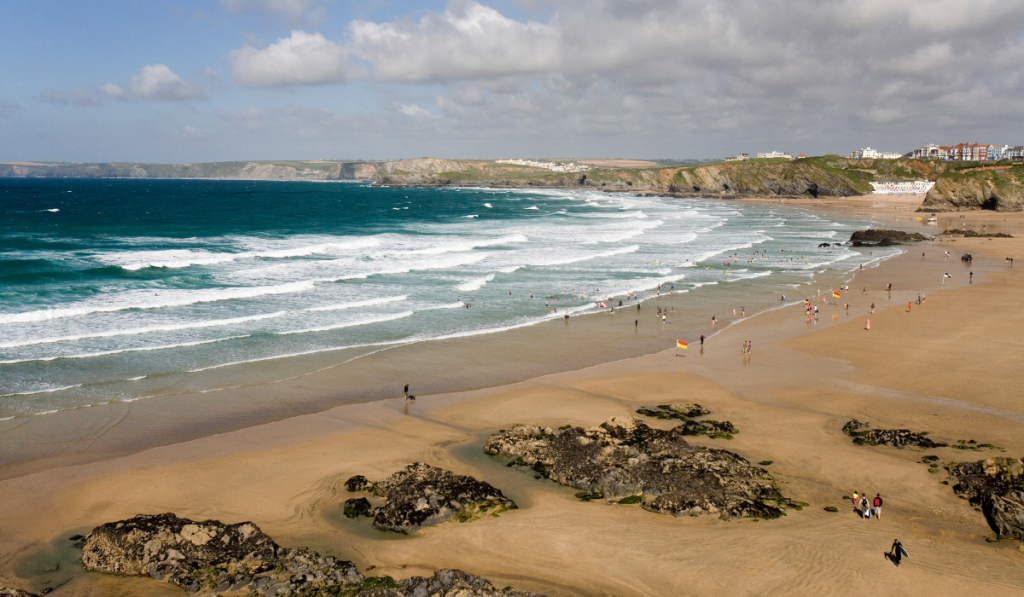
681 411
444 583
624 457
997 486
16 593
884 238
897 438
210 556
998 188
422 495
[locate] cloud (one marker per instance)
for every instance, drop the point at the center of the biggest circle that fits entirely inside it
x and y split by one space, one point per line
467 40
298 12
300 59
156 82
414 111
209 73
112 91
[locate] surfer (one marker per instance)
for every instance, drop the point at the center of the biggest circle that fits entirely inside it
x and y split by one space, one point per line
896 552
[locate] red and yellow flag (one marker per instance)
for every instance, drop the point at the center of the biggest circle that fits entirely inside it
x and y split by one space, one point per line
836 294
680 344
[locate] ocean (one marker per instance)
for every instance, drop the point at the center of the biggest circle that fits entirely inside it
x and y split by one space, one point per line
119 290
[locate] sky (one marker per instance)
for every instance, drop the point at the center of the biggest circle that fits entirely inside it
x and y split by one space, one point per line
188 81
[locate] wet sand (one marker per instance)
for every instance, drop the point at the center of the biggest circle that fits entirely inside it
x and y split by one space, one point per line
951 366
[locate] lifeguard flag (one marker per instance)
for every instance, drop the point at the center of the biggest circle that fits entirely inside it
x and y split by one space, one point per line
835 294
680 344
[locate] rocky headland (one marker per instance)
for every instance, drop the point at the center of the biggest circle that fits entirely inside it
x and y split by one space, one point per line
996 188
996 486
422 495
625 458
898 438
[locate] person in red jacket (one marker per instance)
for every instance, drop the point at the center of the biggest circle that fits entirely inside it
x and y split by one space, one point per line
878 505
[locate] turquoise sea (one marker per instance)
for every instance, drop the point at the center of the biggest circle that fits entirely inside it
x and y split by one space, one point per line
111 289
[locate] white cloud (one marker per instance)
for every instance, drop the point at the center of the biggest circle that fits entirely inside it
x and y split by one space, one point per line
298 12
156 82
301 59
467 40
112 91
414 110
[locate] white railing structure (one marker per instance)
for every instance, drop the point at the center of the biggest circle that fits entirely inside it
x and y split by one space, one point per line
902 188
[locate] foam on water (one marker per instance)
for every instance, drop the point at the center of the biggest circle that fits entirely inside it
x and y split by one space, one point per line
224 274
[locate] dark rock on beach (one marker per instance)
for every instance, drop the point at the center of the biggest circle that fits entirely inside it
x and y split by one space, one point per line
997 486
712 429
681 411
357 507
883 238
421 495
624 457
444 583
358 483
897 438
210 556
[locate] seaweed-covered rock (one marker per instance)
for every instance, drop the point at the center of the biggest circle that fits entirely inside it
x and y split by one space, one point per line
16 593
209 556
897 438
681 411
444 583
883 237
625 457
357 507
997 486
420 495
712 429
358 483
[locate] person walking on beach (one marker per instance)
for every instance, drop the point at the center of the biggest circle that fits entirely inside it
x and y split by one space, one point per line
636 323
855 500
910 306
878 506
896 552
972 278
702 339
865 508
406 391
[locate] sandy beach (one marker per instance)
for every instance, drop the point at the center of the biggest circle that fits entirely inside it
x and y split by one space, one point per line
950 366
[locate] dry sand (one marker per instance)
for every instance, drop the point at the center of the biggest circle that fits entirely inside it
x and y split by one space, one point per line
951 366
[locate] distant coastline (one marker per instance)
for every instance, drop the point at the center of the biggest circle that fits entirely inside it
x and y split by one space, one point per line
958 186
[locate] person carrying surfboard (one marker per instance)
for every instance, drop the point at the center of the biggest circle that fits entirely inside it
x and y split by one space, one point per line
897 552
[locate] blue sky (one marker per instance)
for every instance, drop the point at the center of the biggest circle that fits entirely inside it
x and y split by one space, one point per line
263 79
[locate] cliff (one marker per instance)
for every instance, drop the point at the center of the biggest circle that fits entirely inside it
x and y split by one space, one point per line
242 170
997 188
959 185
